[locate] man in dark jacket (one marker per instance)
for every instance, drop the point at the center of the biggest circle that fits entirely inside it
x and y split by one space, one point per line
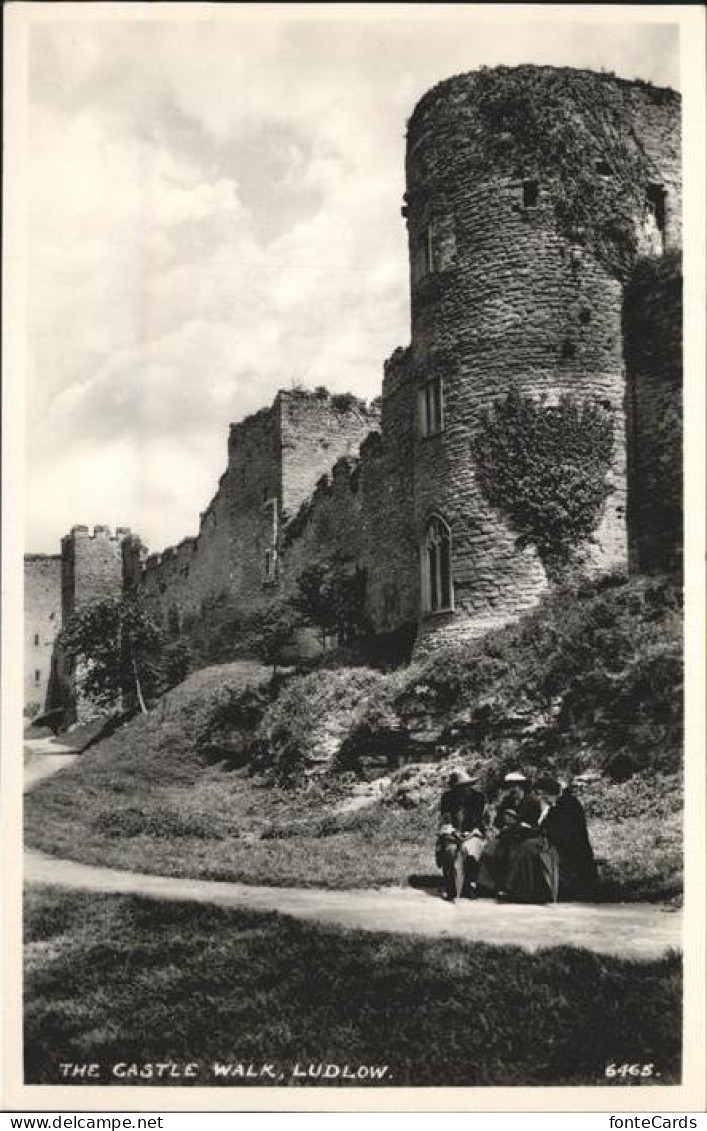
461 836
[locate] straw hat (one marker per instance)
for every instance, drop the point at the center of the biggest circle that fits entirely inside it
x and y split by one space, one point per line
461 776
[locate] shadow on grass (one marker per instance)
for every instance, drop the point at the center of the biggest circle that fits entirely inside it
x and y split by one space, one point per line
300 993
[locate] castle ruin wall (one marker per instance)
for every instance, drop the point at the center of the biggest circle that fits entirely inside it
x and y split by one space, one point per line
275 458
505 294
42 621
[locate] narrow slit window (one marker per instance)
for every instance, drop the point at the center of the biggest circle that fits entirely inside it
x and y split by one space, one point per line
431 409
270 565
423 254
37 676
531 194
36 639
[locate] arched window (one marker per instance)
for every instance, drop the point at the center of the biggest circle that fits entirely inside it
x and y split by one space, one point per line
436 559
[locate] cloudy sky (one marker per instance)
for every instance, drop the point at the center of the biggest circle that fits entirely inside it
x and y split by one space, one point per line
214 214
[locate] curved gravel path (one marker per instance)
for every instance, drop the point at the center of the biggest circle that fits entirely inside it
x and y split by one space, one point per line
631 930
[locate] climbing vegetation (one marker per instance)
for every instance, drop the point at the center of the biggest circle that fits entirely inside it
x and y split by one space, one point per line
546 466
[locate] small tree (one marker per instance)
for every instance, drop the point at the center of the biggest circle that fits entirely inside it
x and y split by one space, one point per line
116 649
312 602
331 596
272 633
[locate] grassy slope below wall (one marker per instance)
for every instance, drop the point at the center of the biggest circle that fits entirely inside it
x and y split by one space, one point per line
152 797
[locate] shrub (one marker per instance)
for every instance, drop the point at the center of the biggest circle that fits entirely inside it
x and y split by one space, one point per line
215 633
230 727
306 725
344 402
595 670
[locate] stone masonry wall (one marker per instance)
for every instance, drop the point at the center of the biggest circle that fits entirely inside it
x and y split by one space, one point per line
362 513
653 325
509 301
657 122
42 620
316 430
275 458
225 556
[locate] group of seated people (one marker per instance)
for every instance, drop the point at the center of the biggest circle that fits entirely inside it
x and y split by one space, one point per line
536 848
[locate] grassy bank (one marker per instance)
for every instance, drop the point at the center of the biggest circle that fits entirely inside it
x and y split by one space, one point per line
592 675
228 826
145 800
117 980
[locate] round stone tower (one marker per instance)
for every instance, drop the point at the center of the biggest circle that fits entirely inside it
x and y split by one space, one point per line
531 192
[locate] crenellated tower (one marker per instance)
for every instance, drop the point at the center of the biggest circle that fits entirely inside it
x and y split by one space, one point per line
93 568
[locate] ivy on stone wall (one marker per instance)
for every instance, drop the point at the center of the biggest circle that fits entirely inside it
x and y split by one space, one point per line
571 128
546 466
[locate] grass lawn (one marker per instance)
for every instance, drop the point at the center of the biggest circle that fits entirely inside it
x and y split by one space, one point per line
228 826
145 799
123 980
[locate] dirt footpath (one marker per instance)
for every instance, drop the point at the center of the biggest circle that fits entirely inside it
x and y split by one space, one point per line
630 930
44 757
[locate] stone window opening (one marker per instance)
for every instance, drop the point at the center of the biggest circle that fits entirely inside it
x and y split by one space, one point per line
569 350
423 260
531 194
655 201
603 168
270 571
37 677
431 407
270 560
436 564
36 639
652 238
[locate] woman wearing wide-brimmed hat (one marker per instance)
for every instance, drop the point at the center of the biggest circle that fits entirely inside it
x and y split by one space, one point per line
533 872
510 813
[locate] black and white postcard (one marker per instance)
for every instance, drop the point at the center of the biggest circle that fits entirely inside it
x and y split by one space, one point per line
353 529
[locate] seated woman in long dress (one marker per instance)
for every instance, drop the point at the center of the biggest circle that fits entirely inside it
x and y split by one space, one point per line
497 850
566 828
533 871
